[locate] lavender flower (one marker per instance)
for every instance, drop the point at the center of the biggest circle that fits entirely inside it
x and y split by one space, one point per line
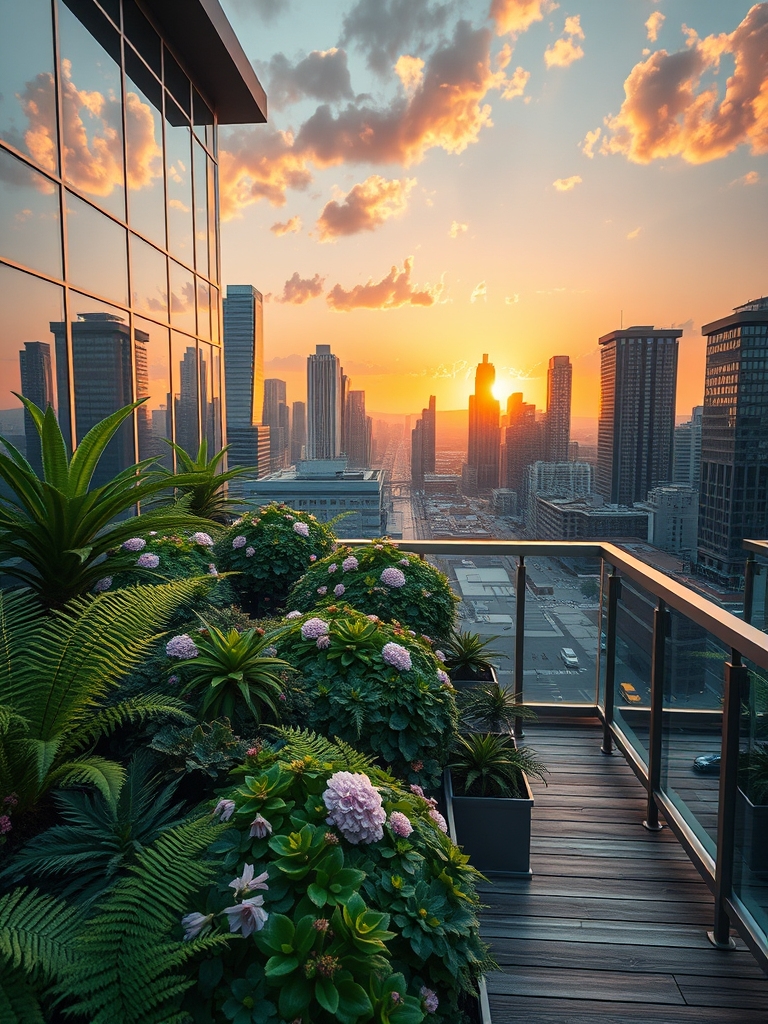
247 917
440 656
313 558
239 541
195 924
332 567
293 615
404 561
439 820
173 680
134 544
204 539
148 561
224 809
392 577
313 628
289 518
431 1002
400 824
322 591
103 584
339 589
260 828
181 647
250 552
397 656
349 563
444 678
355 808
212 570
247 883
323 643
301 528
417 791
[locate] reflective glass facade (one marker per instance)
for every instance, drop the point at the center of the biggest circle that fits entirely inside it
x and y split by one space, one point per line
109 259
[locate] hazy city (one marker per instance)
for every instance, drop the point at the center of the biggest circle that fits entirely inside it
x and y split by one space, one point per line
383 512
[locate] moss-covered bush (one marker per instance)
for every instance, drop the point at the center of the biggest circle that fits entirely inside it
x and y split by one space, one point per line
374 685
270 549
349 901
380 580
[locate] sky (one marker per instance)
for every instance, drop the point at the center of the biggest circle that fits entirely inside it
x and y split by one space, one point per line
438 180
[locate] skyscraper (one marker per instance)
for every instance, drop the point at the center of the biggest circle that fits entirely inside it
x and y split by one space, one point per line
244 378
276 416
37 385
733 496
638 380
187 403
523 446
559 376
324 404
687 457
358 429
484 439
298 431
423 438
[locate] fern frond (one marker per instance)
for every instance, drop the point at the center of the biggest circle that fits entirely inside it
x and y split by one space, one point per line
300 743
135 710
20 612
36 933
90 770
19 1003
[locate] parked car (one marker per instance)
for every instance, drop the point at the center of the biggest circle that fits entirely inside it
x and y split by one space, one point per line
629 693
569 657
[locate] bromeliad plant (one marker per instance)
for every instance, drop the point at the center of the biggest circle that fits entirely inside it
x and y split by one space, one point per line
468 655
206 480
381 580
349 901
492 707
375 686
270 549
491 765
56 530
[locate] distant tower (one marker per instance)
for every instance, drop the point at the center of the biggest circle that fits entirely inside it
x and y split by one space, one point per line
249 441
36 385
276 416
187 404
298 431
423 444
523 446
687 457
324 404
484 439
559 376
358 447
638 380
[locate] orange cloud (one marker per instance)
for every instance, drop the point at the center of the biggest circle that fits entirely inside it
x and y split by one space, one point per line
634 234
259 164
667 112
457 229
480 291
393 291
364 207
287 227
653 25
517 16
590 141
750 178
567 184
410 71
298 290
566 50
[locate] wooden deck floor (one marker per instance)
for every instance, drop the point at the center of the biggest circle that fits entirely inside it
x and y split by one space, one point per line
612 927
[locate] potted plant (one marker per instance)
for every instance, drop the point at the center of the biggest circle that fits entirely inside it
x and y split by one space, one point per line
752 809
490 800
467 658
491 707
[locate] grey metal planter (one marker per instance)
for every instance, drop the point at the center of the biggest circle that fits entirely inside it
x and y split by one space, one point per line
494 831
752 833
468 683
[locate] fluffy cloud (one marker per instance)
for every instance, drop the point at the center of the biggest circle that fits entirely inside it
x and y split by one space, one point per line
480 291
259 163
669 112
383 29
653 25
567 184
394 290
457 229
633 234
287 227
298 290
590 141
364 207
517 16
410 71
750 178
566 50
323 75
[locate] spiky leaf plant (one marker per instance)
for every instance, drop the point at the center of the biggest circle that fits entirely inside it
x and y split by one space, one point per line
492 707
468 655
491 765
206 481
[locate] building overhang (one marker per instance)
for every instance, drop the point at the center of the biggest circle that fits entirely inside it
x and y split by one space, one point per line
201 35
641 332
746 316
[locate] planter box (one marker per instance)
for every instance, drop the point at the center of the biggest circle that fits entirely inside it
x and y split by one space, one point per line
752 833
494 831
469 681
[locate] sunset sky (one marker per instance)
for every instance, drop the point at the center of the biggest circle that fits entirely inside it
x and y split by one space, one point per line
438 180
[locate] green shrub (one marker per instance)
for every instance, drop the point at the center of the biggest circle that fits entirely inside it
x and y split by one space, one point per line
375 686
270 549
207 750
381 580
348 917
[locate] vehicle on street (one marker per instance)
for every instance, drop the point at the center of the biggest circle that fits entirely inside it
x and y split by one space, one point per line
629 693
570 660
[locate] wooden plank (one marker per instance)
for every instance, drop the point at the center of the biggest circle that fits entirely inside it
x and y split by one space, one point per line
535 1010
745 993
589 985
570 930
595 909
603 867
613 848
631 889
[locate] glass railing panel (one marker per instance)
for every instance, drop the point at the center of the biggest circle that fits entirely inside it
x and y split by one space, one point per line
605 571
692 724
760 594
634 647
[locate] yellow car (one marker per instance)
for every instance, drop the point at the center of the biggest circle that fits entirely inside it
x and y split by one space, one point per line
629 693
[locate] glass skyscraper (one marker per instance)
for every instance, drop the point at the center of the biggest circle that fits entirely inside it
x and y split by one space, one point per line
109 249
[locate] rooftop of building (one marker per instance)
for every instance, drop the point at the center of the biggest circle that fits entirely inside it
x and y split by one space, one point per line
311 471
641 331
589 506
753 312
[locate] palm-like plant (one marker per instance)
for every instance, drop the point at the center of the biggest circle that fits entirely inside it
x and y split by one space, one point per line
491 765
467 655
230 669
55 531
492 706
205 481
57 675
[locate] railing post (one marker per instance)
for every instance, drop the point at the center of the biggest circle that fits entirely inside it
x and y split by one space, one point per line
660 617
736 681
749 585
614 593
519 639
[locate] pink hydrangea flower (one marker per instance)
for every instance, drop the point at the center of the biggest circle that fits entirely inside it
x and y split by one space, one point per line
195 924
239 541
400 824
396 656
323 643
247 917
182 647
212 570
404 561
350 563
289 518
247 883
339 589
322 591
293 615
203 539
134 544
440 656
431 1002
438 819
417 791
444 678
332 567
392 577
354 807
373 618
224 810
5 824
103 584
148 561
313 628
260 828
250 552
313 558
301 528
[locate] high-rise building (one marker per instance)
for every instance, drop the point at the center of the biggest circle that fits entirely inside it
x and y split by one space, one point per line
417 456
638 380
672 515
249 439
298 431
130 233
358 430
276 416
687 458
187 403
36 385
423 444
570 480
484 439
324 404
559 377
523 446
733 495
